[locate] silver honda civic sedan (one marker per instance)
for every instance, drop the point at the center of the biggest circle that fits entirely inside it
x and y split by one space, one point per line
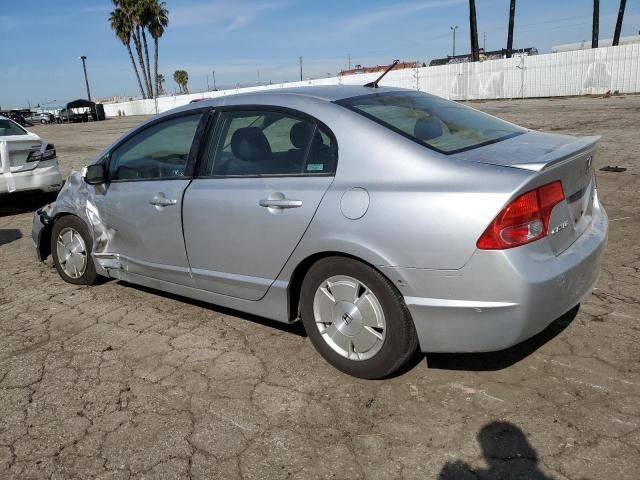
385 219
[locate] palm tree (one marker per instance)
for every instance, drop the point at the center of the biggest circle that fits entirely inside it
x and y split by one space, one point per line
131 10
616 33
160 83
512 14
142 16
122 27
158 21
181 77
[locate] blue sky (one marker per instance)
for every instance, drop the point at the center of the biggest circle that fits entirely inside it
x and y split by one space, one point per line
42 40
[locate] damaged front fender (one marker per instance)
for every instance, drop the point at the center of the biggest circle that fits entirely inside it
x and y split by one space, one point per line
79 199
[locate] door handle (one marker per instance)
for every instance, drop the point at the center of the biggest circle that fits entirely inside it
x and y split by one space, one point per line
280 203
161 201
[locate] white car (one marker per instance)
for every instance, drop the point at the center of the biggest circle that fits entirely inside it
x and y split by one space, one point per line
27 163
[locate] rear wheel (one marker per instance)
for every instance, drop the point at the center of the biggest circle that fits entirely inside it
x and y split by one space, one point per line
356 319
71 250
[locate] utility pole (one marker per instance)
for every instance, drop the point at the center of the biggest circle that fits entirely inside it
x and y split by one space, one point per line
473 28
349 60
453 29
596 24
512 14
300 59
484 42
616 34
208 83
213 72
86 80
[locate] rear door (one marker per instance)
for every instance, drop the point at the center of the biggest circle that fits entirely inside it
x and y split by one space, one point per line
260 182
141 205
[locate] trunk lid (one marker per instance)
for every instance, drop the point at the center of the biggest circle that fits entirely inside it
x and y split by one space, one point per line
18 149
552 157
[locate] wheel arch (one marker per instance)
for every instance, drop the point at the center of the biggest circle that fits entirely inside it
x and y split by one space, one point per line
300 271
44 246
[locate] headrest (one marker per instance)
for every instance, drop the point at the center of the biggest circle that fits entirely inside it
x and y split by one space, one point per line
427 128
299 134
250 144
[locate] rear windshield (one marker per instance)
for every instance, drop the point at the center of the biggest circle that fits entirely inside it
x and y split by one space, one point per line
440 124
9 128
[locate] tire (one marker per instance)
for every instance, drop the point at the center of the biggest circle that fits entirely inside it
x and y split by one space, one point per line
342 340
85 272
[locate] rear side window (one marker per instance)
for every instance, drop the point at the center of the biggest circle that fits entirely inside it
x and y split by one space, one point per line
156 153
9 128
445 126
256 143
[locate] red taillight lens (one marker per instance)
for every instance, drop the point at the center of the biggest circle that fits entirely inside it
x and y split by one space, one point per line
524 220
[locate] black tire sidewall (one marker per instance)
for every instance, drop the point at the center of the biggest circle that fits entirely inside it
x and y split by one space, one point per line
400 339
89 276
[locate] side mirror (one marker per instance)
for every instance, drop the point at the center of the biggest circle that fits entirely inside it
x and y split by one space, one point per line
95 174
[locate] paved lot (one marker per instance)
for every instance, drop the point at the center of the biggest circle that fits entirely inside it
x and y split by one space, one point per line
115 381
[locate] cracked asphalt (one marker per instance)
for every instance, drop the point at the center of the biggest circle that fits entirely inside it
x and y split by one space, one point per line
115 381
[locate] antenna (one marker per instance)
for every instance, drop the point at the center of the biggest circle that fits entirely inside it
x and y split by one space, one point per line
374 84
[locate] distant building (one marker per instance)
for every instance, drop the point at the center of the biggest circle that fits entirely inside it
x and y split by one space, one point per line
585 44
490 55
359 69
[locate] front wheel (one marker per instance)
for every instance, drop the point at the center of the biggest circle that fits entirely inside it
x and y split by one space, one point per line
71 250
356 319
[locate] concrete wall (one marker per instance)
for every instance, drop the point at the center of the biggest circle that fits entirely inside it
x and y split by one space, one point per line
592 71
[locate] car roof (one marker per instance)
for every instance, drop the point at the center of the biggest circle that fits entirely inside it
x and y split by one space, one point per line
329 93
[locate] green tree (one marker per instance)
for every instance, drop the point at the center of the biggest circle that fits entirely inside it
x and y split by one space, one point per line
121 25
158 21
181 77
160 83
137 17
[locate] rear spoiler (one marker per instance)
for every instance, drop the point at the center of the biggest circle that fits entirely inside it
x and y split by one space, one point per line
564 153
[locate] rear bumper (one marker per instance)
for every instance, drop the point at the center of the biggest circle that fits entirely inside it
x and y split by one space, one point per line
500 298
43 178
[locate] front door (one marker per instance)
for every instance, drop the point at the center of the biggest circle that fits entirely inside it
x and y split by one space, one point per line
141 205
260 183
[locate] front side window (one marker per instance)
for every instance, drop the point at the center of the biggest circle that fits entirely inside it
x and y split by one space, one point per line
440 124
255 143
9 128
157 153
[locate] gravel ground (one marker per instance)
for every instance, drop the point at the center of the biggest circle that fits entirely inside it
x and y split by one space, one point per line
115 381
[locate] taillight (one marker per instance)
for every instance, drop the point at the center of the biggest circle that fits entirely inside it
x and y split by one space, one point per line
524 220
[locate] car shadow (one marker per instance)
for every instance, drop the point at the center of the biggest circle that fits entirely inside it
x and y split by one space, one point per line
490 361
23 202
295 328
507 453
8 235
493 361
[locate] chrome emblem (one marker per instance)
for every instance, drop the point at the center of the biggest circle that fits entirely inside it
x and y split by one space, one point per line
347 318
559 227
589 161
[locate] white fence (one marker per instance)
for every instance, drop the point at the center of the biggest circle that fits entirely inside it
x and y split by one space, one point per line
580 72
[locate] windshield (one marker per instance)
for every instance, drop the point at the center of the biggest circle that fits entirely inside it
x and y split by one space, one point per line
9 128
440 124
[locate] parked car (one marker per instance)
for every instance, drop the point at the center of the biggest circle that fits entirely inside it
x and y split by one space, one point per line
384 219
26 161
41 118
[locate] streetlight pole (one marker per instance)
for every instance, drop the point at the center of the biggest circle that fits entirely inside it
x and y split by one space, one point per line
213 72
453 29
86 80
300 58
